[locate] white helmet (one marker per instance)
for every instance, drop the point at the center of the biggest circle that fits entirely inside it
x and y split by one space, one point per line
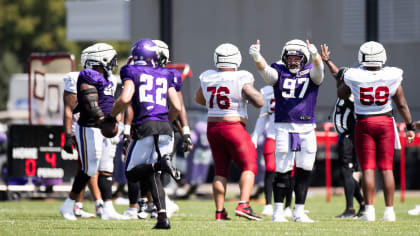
372 54
295 47
163 52
99 54
227 55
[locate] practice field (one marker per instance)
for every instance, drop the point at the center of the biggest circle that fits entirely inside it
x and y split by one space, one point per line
196 217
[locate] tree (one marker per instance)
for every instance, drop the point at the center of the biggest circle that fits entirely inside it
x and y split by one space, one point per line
29 26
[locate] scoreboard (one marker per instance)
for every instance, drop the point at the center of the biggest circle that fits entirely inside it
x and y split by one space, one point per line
36 151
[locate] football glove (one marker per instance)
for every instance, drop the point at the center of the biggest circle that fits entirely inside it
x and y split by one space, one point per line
126 143
68 143
254 51
187 145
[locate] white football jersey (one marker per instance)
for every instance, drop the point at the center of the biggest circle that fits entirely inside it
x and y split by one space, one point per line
373 90
269 103
223 92
70 82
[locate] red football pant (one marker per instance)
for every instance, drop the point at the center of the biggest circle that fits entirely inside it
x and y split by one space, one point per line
374 142
230 141
269 157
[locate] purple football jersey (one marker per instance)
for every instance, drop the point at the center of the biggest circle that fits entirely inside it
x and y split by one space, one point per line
151 92
104 86
295 95
177 81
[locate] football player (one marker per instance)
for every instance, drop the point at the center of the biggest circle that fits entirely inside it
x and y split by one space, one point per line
95 96
69 121
225 92
149 90
265 122
295 81
373 86
344 121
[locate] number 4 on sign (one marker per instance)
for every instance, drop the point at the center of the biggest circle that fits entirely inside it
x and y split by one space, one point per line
52 159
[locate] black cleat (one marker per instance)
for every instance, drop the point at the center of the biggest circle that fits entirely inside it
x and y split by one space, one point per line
361 211
163 224
165 164
347 214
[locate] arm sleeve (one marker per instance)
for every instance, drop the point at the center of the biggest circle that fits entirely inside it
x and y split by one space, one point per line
269 75
317 74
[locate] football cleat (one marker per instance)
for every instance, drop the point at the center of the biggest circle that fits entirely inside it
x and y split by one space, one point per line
245 210
389 216
163 224
142 213
152 210
302 218
368 215
171 207
347 214
165 165
415 211
287 212
79 212
267 210
109 213
99 210
362 209
67 209
279 217
131 213
222 215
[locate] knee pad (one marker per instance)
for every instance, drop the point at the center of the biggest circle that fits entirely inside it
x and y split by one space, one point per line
282 180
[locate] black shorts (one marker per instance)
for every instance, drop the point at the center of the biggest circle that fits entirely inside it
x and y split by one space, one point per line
347 152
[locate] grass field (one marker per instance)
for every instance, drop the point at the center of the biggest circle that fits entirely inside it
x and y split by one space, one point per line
196 217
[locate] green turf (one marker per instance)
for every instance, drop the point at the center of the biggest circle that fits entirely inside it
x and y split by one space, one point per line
196 217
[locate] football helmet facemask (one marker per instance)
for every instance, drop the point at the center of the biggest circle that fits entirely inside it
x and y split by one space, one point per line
295 47
99 54
227 55
372 54
145 52
163 52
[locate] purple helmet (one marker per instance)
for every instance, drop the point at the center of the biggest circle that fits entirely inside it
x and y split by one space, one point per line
145 52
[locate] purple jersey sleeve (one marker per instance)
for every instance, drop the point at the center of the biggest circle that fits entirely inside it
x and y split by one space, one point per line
177 79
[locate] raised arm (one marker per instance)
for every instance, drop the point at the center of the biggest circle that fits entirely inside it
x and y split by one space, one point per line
317 70
268 73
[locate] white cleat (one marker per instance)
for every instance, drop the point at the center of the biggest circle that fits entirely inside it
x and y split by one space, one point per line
131 213
368 215
302 218
171 208
389 216
67 209
99 210
110 214
79 212
267 210
279 217
415 211
287 212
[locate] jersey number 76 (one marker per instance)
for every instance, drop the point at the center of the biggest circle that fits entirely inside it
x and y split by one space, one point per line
222 100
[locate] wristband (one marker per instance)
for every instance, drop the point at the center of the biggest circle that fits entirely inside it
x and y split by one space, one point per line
410 126
257 57
186 130
127 129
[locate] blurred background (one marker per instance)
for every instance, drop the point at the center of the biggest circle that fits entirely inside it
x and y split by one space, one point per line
194 28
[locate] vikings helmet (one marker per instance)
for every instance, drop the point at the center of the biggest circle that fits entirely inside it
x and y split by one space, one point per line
372 54
227 55
145 52
295 47
99 54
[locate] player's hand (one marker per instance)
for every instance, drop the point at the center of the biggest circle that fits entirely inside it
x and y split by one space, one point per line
325 53
410 136
187 145
68 143
417 124
254 51
126 143
312 49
